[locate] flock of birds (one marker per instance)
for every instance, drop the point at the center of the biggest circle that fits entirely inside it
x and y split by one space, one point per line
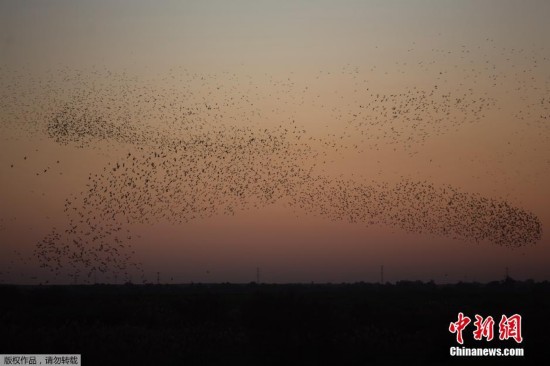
188 146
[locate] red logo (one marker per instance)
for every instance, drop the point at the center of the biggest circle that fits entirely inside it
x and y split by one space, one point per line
508 327
484 328
459 326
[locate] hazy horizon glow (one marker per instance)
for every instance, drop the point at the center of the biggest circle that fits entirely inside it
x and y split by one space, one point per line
316 140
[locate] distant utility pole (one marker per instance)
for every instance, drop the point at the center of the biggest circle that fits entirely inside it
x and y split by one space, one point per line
258 275
158 278
382 274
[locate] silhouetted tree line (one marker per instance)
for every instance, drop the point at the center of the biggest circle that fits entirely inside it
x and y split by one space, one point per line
262 324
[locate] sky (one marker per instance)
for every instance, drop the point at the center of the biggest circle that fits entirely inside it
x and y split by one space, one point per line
197 141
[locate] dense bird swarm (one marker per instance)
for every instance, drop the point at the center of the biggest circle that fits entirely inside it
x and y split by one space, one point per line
192 145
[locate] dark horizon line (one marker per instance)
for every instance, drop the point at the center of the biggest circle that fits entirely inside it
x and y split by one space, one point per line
507 281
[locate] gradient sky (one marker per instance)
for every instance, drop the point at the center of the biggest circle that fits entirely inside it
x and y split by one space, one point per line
317 63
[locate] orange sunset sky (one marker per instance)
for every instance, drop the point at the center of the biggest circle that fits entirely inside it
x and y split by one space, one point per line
314 140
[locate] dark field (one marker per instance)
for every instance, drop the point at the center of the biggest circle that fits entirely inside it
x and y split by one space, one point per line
347 324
